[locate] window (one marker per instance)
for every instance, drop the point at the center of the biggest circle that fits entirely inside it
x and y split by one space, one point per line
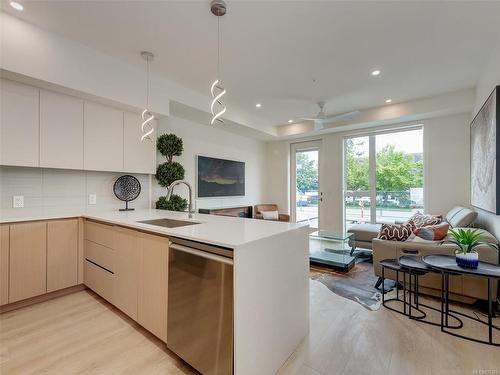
383 176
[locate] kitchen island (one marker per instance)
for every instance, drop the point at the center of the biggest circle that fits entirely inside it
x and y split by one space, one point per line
270 276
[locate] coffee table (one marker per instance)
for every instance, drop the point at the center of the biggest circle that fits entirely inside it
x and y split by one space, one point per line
331 249
447 265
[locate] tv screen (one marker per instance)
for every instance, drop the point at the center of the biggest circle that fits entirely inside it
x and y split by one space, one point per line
220 177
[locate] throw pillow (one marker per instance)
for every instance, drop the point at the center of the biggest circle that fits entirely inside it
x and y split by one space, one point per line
270 215
396 232
433 232
418 239
422 220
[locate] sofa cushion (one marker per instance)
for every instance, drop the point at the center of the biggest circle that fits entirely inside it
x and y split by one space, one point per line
396 232
365 232
460 217
422 220
432 232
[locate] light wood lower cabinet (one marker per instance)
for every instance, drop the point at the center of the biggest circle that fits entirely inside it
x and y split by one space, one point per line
62 254
129 269
153 289
126 268
28 260
4 264
99 280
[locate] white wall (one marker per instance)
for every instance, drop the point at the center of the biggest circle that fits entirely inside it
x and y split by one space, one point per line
446 168
209 141
62 191
447 162
37 53
490 78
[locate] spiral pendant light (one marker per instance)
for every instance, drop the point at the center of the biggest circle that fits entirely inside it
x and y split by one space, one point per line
147 117
217 91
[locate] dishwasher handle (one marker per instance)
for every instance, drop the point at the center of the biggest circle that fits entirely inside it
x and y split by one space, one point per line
200 253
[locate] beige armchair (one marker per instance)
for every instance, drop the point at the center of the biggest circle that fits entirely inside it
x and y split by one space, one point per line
269 207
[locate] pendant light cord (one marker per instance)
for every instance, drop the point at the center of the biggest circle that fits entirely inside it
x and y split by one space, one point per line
218 48
147 83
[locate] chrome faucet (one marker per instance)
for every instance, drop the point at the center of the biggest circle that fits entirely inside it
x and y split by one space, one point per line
170 190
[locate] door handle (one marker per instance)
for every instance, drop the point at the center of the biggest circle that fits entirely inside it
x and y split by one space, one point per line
202 254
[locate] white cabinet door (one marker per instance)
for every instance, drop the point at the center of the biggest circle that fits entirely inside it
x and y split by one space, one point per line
103 138
19 124
61 131
139 157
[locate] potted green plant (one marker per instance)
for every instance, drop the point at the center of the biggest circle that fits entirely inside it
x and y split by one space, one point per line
169 146
467 241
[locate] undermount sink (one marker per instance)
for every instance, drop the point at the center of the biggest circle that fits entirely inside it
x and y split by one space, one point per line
168 223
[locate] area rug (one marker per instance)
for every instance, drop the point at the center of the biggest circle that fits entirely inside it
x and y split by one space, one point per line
357 285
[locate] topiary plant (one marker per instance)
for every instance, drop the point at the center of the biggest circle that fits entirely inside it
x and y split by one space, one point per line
176 203
169 146
168 172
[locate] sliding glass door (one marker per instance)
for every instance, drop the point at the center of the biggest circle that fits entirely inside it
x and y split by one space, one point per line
383 177
305 193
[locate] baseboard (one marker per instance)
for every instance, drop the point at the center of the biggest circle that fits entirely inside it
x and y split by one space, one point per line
41 298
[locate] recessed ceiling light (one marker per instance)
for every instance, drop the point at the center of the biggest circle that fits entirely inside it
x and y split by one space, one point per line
376 72
388 101
258 105
290 121
16 5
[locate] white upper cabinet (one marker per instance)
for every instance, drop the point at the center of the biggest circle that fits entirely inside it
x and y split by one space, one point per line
139 157
61 131
103 138
42 128
19 124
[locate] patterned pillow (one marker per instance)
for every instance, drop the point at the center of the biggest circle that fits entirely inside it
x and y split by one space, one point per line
421 220
433 232
396 232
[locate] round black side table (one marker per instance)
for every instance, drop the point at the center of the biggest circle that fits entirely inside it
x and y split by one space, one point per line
415 267
447 265
394 265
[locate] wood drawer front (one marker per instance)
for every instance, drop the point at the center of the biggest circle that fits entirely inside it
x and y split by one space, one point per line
99 280
102 255
99 233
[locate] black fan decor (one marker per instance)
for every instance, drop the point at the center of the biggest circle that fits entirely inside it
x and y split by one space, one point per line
127 188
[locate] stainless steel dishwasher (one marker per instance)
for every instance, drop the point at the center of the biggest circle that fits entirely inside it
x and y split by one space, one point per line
200 305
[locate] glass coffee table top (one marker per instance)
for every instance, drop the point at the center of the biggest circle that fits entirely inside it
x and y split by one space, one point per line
328 234
331 249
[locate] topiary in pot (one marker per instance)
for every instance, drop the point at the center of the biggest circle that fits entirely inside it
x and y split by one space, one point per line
176 203
168 172
169 146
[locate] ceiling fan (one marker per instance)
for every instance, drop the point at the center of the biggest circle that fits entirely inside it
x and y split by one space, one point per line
321 120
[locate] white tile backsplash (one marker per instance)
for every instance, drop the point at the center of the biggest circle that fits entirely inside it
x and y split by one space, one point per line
53 191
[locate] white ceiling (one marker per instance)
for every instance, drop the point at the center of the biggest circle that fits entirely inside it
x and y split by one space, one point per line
272 50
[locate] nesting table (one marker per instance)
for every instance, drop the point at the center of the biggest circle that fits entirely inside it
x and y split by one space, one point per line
447 266
414 267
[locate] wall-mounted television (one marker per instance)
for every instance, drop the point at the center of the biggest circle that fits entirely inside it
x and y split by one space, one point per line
219 177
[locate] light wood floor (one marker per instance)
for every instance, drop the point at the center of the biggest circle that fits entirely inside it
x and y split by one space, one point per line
82 334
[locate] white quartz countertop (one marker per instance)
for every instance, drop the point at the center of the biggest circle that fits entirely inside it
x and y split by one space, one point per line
218 230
